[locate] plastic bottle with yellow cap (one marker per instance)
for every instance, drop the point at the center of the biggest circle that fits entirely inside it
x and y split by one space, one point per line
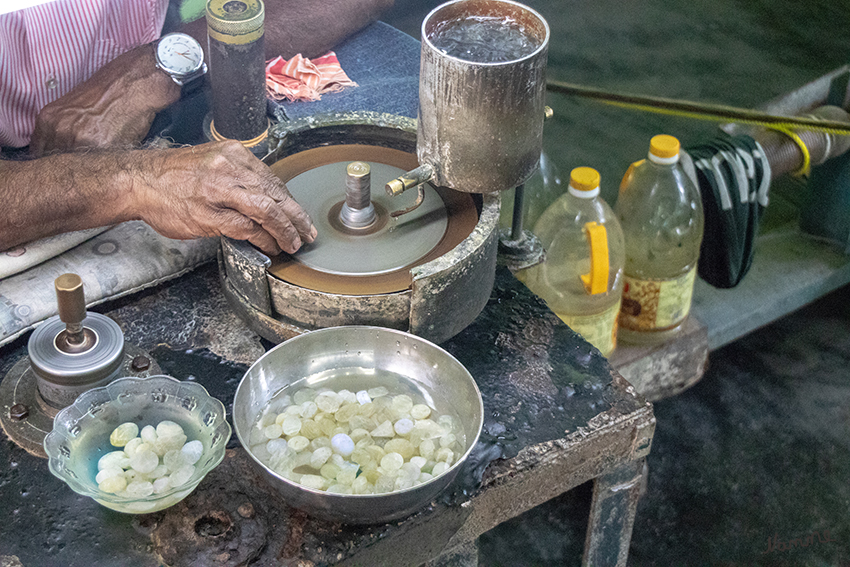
581 279
660 210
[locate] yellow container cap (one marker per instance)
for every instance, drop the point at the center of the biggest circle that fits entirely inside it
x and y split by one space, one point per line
664 146
584 179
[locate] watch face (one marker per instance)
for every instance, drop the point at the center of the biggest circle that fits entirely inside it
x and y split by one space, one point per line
179 54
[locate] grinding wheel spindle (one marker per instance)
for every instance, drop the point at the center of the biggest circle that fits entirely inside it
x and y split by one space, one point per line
358 211
71 300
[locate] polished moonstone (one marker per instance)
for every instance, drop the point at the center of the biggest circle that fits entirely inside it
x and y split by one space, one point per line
420 411
357 443
122 434
193 450
144 461
148 434
342 444
174 460
113 484
113 459
403 426
384 430
299 443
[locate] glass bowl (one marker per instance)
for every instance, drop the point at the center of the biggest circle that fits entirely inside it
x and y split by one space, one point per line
81 431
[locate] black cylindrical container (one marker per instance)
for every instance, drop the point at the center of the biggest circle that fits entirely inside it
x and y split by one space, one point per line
237 68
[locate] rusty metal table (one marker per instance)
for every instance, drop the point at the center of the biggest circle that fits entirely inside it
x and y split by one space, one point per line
556 416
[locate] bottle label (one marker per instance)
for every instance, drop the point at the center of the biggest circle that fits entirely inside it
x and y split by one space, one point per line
656 305
599 329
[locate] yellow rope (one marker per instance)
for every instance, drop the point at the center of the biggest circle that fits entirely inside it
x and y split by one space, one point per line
806 167
702 111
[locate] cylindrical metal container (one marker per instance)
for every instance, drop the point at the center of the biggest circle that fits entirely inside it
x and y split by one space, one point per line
481 123
318 355
237 69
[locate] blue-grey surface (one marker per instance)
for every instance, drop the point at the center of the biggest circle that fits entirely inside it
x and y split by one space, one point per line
384 62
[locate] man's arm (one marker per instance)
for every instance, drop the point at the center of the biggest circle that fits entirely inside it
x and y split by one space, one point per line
117 105
207 190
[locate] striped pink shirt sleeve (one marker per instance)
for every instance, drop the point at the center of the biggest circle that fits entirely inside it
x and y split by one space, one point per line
48 49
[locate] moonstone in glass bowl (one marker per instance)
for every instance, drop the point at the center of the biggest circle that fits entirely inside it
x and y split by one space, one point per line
80 435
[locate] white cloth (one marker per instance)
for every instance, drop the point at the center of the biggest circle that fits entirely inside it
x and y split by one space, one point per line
120 261
25 256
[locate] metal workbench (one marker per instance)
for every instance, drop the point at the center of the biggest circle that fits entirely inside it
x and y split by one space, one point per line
556 416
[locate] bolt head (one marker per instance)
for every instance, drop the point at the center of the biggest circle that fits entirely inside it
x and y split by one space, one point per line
140 363
19 412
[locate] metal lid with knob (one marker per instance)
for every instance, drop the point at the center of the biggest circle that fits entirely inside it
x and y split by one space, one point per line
68 354
75 350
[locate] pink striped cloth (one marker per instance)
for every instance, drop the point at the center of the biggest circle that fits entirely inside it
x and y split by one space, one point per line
46 50
303 79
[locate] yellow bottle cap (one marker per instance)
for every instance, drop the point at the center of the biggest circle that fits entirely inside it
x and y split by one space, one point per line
584 179
664 146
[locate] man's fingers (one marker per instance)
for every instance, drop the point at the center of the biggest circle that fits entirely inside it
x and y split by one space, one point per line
237 226
274 218
265 182
285 220
290 208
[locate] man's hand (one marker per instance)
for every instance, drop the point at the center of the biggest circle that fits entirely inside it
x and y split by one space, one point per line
220 188
209 190
115 107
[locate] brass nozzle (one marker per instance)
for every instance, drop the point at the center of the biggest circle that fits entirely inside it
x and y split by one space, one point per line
412 178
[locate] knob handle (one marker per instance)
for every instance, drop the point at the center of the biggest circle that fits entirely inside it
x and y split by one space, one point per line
71 300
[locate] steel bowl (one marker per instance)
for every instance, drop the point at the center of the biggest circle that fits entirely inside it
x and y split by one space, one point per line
81 432
321 355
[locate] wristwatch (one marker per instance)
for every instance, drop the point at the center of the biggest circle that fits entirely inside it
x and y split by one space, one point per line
182 57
